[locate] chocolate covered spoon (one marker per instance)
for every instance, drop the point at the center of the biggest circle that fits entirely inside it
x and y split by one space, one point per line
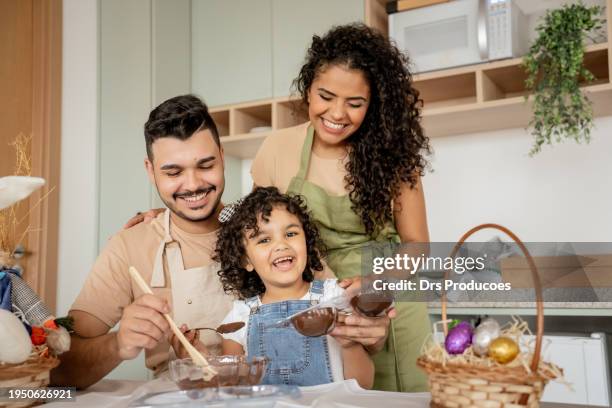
224 328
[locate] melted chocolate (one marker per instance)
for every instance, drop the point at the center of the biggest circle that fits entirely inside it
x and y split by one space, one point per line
230 327
372 304
315 322
231 370
187 384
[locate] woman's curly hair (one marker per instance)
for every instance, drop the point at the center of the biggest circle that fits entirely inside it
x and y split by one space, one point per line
387 149
230 250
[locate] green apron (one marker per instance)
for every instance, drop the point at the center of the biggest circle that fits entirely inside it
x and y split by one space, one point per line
344 235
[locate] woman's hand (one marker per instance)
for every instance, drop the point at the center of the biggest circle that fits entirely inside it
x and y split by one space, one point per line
145 217
193 337
370 332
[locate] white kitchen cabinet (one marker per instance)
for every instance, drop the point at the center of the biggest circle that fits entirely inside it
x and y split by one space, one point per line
245 50
125 102
231 50
585 365
294 23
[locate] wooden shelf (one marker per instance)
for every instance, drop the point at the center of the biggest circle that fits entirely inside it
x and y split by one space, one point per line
496 100
476 98
242 127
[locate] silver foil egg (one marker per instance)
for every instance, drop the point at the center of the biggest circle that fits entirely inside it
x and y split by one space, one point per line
487 331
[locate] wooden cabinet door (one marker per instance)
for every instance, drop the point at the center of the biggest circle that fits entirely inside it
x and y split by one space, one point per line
30 86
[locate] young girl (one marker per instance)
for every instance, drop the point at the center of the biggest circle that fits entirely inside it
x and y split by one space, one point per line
358 164
269 250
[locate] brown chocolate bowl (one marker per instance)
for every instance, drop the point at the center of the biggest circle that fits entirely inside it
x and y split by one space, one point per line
315 322
373 303
231 370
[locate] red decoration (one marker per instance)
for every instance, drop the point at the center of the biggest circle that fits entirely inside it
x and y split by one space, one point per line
50 324
38 336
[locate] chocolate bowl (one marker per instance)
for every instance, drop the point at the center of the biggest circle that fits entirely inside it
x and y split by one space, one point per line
231 370
372 303
315 322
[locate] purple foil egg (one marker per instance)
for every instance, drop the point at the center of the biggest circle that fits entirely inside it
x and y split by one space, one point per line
459 338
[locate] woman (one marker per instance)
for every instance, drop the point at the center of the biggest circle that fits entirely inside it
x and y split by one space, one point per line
358 164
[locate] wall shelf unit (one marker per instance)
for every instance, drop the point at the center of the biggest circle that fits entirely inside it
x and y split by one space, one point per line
244 126
469 99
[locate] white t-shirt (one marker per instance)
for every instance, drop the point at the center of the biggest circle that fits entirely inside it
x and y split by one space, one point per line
240 313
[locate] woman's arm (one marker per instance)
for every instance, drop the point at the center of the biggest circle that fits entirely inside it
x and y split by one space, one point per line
357 364
410 214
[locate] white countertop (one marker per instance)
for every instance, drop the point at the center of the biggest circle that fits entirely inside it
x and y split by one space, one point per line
346 394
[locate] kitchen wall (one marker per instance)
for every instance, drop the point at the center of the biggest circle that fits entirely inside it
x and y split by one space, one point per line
78 227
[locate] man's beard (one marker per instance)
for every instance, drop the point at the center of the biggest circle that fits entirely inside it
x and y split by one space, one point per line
173 208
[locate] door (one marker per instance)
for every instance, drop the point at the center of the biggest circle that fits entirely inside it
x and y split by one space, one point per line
30 100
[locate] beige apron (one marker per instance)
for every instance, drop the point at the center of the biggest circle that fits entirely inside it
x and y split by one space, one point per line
197 295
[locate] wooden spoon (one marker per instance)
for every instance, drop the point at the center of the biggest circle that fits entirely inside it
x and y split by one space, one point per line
208 372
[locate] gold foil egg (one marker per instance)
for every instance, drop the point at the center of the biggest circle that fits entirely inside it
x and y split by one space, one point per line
503 350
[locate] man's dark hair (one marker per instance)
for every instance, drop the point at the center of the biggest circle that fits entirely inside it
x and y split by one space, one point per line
179 117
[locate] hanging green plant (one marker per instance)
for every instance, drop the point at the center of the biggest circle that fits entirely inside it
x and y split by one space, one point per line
554 66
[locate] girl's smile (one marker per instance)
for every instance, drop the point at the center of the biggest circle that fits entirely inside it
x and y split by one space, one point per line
277 253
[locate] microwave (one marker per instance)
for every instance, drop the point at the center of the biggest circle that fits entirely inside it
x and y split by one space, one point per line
460 32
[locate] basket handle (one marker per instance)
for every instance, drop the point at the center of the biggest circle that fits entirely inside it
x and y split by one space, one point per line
536 284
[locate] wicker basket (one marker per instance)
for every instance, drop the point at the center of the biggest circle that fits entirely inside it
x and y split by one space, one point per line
455 385
32 373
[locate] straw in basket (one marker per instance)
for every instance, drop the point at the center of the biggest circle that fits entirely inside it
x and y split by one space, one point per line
32 373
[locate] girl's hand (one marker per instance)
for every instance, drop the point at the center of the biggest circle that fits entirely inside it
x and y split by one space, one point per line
193 337
145 217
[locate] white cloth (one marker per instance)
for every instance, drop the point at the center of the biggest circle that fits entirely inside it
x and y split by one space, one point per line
16 188
240 313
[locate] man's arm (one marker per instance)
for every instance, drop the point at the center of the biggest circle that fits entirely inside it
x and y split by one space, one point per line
94 351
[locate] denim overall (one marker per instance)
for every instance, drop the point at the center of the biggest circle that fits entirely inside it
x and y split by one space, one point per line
294 359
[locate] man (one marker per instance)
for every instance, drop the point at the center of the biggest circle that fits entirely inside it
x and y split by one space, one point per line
172 253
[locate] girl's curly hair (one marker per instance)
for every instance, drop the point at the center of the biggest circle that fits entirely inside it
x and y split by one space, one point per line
230 249
387 149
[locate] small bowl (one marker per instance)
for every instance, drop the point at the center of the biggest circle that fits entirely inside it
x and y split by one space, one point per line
315 322
231 370
372 304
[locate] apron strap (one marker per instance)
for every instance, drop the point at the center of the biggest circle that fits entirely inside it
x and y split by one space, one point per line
305 156
158 280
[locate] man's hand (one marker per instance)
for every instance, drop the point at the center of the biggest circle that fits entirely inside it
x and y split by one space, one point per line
142 326
371 332
193 337
145 217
